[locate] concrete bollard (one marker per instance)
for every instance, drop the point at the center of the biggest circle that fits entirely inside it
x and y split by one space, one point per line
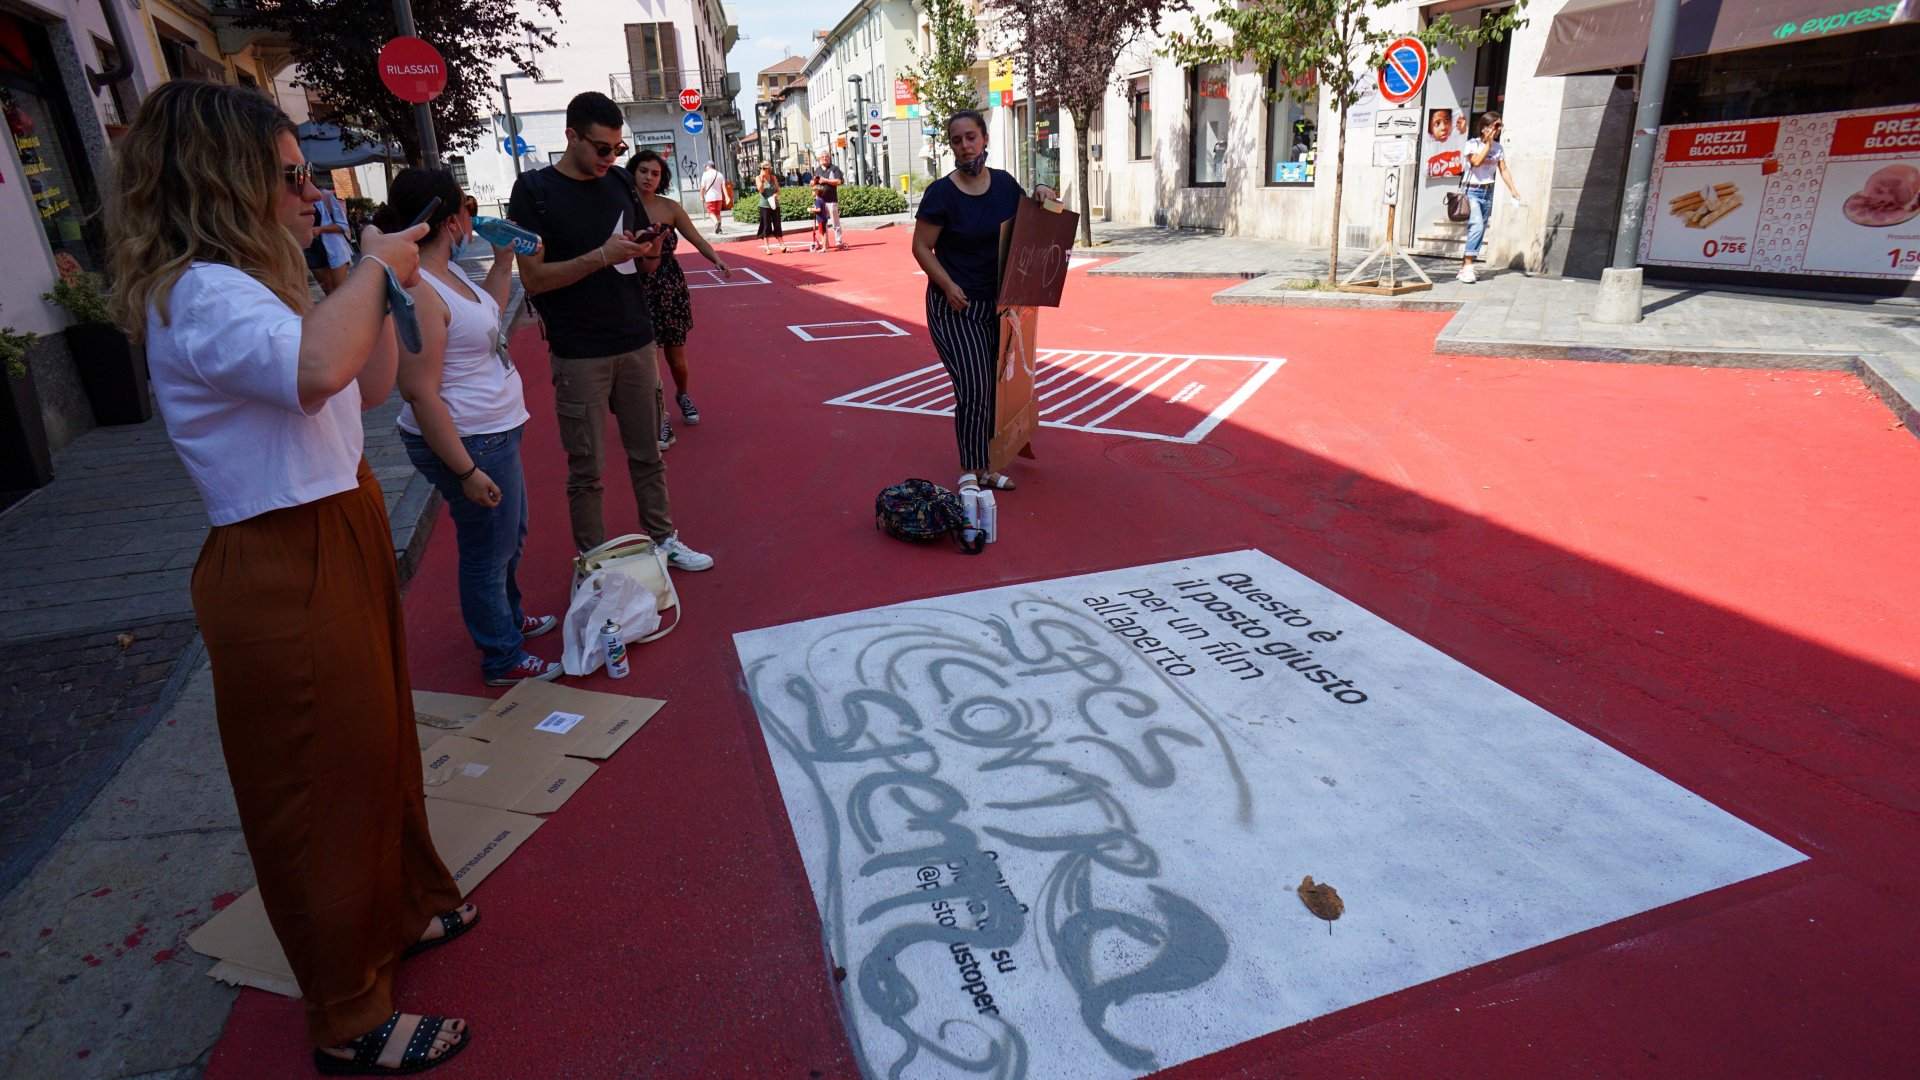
1619 300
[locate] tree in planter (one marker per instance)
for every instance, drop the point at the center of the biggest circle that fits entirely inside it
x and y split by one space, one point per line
336 44
1333 44
26 461
1070 50
13 350
944 78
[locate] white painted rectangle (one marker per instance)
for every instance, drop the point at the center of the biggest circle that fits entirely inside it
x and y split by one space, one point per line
846 331
711 279
1152 791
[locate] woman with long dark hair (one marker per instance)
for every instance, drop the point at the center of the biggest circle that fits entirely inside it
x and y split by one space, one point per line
666 286
768 185
956 240
463 419
296 591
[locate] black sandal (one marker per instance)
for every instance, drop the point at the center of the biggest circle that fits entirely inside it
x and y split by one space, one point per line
452 925
366 1050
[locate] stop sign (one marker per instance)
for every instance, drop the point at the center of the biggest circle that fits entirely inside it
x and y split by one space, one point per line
412 69
690 99
873 131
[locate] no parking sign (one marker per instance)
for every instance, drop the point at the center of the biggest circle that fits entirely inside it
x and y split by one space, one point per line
1404 70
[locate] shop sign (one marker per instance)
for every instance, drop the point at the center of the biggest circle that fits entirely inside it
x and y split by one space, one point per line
906 99
1000 81
1831 194
1839 20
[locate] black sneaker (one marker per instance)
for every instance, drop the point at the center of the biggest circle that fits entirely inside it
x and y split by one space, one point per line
687 411
666 433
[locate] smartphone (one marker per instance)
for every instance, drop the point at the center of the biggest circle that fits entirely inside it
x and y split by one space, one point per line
425 212
406 320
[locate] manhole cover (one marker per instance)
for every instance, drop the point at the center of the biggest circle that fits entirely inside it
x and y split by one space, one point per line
1169 457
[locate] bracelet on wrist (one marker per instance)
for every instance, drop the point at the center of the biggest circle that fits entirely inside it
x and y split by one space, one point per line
463 476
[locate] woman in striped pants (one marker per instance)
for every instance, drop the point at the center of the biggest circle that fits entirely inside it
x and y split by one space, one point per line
956 240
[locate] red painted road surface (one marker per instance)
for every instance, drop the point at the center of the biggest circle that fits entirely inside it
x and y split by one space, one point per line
1713 571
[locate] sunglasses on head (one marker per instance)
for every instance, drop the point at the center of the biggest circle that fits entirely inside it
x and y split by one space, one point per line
297 176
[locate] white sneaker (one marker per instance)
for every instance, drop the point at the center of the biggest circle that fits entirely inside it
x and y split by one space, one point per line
1466 276
682 557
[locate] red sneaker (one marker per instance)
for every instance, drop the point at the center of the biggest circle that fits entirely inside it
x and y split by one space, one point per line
531 668
535 625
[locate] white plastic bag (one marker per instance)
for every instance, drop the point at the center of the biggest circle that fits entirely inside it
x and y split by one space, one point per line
598 597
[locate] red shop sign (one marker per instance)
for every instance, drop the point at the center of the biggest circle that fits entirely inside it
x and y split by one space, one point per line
1887 133
1722 142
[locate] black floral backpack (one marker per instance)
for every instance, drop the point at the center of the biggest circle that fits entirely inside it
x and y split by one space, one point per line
922 510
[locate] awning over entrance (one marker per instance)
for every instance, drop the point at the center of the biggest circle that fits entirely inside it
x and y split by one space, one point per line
1594 35
325 147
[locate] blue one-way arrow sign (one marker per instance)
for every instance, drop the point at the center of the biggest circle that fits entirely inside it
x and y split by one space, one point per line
693 123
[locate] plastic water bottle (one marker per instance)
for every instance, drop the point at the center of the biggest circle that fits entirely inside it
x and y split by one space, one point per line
616 650
989 516
503 233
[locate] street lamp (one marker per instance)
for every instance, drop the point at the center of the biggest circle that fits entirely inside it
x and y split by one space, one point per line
513 129
859 119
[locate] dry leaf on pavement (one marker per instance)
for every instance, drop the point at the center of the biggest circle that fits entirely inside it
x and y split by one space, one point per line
1322 899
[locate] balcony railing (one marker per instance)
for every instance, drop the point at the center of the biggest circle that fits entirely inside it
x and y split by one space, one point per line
717 88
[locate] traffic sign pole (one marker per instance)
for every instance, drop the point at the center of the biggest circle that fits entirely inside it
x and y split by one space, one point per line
422 112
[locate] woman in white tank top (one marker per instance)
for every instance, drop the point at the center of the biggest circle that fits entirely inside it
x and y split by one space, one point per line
462 421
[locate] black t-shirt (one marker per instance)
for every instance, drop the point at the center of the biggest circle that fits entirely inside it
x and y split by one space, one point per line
829 192
605 312
969 244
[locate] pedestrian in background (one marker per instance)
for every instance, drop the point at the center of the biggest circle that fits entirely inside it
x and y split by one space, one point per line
296 591
462 422
1485 157
956 240
585 284
713 191
769 187
668 301
826 187
330 255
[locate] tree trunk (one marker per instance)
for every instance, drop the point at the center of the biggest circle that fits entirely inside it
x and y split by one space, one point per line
1339 179
1080 164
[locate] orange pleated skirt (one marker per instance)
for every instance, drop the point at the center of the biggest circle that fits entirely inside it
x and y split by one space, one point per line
300 612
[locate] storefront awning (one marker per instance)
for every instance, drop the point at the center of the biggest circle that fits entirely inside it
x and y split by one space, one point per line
1595 35
326 147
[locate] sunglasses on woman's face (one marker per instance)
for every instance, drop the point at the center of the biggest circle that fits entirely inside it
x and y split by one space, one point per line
297 176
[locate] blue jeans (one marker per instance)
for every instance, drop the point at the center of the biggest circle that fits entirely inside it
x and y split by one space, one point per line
489 538
1479 210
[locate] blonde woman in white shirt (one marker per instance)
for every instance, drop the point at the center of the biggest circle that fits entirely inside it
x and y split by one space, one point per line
296 591
462 423
1485 156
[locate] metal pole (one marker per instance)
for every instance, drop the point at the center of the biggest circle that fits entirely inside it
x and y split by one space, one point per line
1646 121
513 132
859 132
422 113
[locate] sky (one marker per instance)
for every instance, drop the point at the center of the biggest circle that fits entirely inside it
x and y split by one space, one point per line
769 30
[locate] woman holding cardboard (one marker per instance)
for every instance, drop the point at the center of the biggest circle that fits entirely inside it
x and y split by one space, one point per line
296 591
956 240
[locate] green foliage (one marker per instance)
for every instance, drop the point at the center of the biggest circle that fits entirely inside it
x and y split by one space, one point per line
13 349
796 203
360 205
945 77
80 295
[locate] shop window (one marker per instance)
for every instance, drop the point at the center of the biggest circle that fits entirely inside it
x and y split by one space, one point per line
44 135
1292 136
1140 118
1207 125
1852 71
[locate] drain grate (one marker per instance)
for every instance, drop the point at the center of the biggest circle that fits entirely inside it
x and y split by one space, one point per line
1169 457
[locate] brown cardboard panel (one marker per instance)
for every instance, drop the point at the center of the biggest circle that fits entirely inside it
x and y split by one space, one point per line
509 776
561 719
472 841
435 713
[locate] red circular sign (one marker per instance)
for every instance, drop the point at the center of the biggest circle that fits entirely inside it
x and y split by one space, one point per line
690 99
1404 70
873 131
412 69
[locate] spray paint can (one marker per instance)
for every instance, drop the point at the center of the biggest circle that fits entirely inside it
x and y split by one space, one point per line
989 516
616 650
970 503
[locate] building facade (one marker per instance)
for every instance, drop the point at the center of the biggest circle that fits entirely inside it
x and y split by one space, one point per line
852 77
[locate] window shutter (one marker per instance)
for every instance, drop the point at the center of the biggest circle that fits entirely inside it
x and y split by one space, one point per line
637 61
670 59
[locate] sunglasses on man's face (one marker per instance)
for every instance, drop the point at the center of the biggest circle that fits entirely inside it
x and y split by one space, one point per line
297 176
601 149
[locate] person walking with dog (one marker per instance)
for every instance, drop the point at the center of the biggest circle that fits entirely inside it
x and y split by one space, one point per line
956 240
295 591
585 284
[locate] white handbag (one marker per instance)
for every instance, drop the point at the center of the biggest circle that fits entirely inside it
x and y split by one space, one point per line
597 598
638 558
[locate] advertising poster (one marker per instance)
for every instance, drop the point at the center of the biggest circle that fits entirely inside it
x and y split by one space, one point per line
906 99
1443 143
1831 194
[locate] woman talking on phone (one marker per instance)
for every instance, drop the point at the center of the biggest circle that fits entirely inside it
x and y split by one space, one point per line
1485 156
956 240
295 591
462 422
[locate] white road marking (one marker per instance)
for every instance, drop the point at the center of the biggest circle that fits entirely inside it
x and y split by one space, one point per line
889 330
710 279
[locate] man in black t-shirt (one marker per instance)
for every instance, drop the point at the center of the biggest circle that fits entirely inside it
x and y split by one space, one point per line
585 285
826 187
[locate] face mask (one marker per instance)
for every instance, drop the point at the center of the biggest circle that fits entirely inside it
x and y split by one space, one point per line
972 168
459 247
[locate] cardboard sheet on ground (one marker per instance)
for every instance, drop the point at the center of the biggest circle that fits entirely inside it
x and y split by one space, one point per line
472 841
506 777
563 720
1055 829
436 714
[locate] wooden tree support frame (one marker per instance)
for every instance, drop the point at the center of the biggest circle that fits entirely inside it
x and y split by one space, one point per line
1389 284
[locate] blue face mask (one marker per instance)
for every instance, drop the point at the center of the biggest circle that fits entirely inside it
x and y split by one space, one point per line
459 247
